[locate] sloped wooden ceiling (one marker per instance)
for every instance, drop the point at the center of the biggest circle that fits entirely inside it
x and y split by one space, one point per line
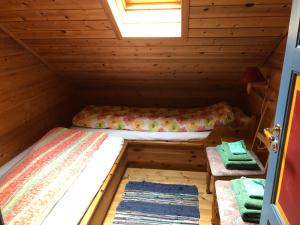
76 38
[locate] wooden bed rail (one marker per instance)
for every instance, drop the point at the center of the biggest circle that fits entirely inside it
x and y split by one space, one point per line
166 155
97 210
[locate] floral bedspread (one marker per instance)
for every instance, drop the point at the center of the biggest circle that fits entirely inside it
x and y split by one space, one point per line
31 189
155 119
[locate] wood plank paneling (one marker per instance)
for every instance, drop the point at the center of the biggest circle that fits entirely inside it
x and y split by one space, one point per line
48 4
187 158
239 11
273 66
236 32
134 42
93 76
272 70
32 99
65 34
237 2
43 15
78 40
138 52
159 96
243 22
54 25
152 67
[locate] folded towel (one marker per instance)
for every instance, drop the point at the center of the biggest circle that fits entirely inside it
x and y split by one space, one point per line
254 187
237 147
248 214
250 201
235 157
253 203
247 165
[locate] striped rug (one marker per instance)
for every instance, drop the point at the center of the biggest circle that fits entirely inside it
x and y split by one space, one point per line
154 204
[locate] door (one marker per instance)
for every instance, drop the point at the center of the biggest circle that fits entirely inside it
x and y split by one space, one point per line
282 197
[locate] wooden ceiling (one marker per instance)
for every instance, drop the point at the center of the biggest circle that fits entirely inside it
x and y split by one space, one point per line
76 39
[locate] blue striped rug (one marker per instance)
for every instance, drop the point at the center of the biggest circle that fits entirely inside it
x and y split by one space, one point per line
154 204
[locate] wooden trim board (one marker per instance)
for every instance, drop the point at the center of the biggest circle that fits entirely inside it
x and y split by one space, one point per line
167 155
111 18
185 9
30 50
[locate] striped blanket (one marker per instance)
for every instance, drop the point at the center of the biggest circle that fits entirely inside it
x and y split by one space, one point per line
153 204
32 188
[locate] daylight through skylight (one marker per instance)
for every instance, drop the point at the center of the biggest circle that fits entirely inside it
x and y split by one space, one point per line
147 18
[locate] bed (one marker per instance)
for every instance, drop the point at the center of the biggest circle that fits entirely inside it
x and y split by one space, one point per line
163 124
115 154
167 138
72 205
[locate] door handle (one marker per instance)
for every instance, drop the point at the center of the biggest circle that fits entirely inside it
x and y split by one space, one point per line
272 134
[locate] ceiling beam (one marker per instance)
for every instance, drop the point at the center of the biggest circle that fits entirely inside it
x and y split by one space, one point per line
30 50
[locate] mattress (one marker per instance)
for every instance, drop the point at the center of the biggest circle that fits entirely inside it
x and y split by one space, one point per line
74 203
152 136
155 119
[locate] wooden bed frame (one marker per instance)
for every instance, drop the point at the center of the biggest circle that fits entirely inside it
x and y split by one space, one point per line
174 155
98 208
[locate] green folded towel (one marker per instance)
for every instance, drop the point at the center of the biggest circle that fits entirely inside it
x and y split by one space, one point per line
254 187
237 147
249 214
251 201
235 157
248 165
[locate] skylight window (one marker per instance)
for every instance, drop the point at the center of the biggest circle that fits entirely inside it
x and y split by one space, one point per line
147 18
152 4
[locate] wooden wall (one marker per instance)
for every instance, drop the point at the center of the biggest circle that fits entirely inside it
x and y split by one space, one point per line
32 99
272 70
273 67
77 40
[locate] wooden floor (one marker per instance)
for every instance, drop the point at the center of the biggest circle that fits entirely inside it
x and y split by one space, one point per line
168 177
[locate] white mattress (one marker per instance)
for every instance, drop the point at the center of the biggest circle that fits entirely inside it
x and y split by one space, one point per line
73 204
158 136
